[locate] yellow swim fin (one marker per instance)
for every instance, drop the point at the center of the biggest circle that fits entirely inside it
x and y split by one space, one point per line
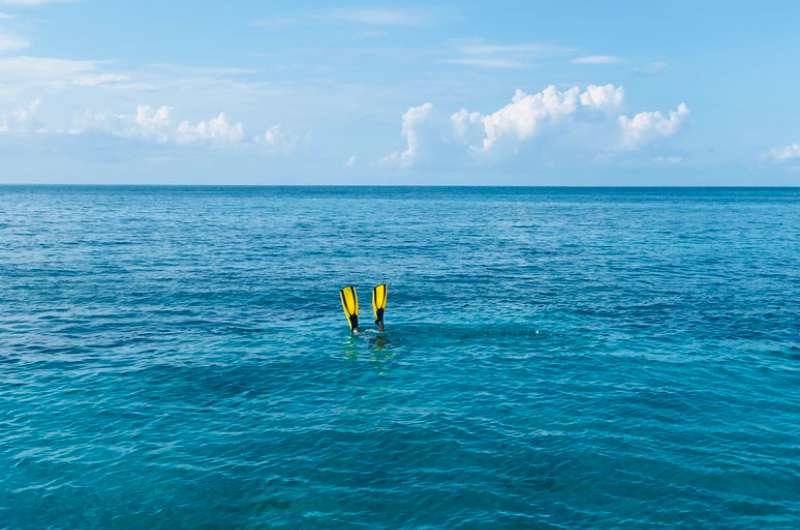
380 296
350 306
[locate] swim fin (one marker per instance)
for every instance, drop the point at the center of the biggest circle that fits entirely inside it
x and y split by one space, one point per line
350 306
380 296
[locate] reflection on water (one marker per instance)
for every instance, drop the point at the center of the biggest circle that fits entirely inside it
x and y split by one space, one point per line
378 343
378 346
380 349
350 347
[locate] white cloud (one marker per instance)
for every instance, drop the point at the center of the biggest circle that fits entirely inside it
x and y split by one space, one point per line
597 59
53 71
151 123
528 49
412 120
182 70
376 16
645 127
501 56
502 64
26 113
274 136
21 119
28 3
25 68
157 124
100 79
607 97
585 122
785 153
11 43
216 129
277 141
464 123
89 120
523 118
351 162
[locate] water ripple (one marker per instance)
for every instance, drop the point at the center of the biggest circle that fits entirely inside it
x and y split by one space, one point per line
176 358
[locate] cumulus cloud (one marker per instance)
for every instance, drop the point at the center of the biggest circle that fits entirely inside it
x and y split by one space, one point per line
606 97
467 126
151 123
582 120
92 121
274 136
217 129
413 119
156 124
525 116
522 118
785 153
645 127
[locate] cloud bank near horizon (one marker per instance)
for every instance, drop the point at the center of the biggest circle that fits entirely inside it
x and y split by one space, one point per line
505 132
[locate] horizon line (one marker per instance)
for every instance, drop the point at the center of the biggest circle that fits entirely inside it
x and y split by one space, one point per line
477 186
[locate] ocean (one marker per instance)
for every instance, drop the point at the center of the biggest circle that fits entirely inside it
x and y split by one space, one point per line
177 357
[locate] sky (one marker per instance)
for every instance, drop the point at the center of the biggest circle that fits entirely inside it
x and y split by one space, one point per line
479 93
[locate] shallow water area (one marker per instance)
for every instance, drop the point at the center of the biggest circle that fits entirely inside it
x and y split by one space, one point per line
554 358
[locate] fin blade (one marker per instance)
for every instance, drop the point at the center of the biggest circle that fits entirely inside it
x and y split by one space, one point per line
349 299
380 297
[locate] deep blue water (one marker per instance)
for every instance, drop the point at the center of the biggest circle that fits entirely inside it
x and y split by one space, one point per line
554 358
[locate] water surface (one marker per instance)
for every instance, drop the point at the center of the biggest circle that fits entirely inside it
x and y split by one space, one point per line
554 358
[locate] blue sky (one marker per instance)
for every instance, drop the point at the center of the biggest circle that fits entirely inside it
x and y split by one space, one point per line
250 92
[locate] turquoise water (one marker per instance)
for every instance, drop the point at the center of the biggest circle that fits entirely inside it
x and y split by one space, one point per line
554 358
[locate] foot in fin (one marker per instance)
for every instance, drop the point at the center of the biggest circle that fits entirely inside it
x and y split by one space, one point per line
350 306
380 296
